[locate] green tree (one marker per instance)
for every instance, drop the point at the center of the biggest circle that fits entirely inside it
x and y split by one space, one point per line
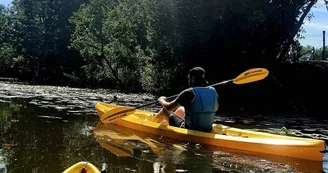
318 54
40 34
310 53
114 38
6 49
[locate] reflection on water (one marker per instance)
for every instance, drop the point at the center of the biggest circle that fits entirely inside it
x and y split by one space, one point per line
33 144
47 129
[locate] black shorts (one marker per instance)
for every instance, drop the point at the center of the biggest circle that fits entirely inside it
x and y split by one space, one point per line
176 121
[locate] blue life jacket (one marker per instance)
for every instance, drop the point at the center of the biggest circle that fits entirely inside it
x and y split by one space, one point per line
199 115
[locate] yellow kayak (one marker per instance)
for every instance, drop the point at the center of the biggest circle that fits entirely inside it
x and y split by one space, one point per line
82 167
119 141
224 136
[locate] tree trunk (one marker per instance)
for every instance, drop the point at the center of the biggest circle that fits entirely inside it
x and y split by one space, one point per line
118 81
286 45
100 36
102 56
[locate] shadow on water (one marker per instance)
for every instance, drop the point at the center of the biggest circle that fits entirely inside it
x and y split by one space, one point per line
46 129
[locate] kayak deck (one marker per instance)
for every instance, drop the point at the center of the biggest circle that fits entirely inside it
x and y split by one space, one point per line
77 167
224 136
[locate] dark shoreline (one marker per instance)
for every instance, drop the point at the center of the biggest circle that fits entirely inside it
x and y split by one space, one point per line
295 89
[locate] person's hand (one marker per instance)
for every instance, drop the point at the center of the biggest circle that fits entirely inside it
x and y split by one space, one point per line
161 100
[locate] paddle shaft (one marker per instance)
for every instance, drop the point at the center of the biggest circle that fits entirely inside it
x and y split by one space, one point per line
248 76
216 84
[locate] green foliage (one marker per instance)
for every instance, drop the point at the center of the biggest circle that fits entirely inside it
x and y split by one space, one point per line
39 33
3 20
144 44
6 50
6 55
309 53
117 36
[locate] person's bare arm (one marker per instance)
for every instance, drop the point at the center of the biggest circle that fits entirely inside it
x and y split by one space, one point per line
185 97
170 106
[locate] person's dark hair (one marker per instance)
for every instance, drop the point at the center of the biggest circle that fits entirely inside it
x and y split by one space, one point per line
199 75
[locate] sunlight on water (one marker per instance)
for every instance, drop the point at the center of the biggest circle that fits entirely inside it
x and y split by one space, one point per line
249 164
73 100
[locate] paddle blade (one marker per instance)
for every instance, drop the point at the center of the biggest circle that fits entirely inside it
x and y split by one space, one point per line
251 75
116 113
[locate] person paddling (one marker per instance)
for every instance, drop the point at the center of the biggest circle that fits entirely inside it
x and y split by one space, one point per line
194 108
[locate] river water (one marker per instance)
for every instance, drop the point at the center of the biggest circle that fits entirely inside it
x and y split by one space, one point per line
46 129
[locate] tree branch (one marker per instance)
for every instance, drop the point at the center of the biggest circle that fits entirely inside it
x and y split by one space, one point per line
285 46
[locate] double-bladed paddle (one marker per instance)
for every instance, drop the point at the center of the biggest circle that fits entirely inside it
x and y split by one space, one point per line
251 75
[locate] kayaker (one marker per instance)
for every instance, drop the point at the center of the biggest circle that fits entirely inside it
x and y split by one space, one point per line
194 108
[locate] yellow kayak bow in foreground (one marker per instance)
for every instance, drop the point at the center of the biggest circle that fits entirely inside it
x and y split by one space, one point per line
82 167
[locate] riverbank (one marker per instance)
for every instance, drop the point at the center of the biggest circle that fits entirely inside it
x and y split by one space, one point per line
295 89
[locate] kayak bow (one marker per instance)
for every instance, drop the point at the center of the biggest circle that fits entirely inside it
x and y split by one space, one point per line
81 167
